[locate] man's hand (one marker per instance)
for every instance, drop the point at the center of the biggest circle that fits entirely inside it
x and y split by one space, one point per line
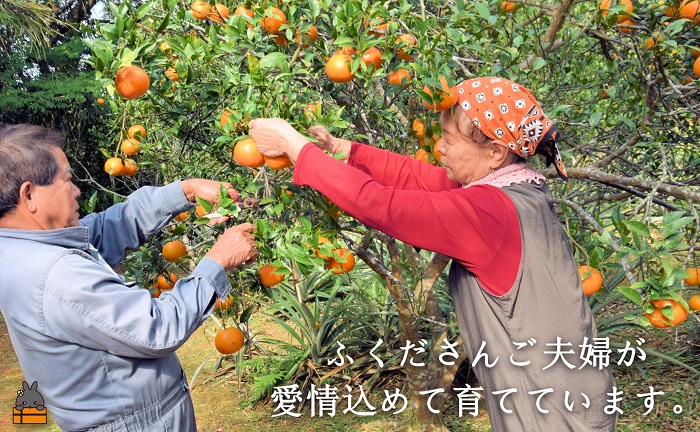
205 189
235 247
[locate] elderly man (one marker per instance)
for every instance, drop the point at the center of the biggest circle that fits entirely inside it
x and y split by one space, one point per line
102 352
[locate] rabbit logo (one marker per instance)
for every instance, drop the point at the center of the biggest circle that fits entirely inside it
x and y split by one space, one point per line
29 405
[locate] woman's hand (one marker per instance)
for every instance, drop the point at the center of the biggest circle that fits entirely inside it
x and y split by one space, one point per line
275 137
329 143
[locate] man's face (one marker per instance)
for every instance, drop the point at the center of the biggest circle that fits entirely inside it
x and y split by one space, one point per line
57 203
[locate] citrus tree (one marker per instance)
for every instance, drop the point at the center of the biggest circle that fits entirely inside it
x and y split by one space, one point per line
620 78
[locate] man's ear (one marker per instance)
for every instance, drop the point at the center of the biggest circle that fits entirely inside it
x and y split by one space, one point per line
26 200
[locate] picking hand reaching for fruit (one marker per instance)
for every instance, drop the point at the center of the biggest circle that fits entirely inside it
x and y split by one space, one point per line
275 137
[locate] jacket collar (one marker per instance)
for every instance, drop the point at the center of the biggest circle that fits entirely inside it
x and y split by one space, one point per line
72 237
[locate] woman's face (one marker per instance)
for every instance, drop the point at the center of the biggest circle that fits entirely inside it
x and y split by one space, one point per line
464 160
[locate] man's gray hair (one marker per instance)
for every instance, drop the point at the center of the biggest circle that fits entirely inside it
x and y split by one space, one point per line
26 156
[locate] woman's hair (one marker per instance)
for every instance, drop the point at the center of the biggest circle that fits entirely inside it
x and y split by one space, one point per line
468 129
26 156
466 126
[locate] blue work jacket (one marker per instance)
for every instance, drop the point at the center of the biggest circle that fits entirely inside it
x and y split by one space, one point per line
99 348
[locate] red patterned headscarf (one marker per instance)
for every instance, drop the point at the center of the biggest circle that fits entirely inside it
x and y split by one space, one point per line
506 111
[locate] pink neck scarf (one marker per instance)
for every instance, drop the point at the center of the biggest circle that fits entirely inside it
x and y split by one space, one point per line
510 174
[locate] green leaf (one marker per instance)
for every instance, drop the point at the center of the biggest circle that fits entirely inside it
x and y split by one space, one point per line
594 119
127 57
638 228
315 9
618 221
143 10
246 314
206 204
627 121
538 63
674 226
483 9
163 25
213 36
632 295
90 204
254 68
343 41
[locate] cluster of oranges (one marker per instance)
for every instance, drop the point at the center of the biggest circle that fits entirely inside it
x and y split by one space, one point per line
246 154
115 166
418 128
592 282
173 251
204 11
338 66
341 260
684 9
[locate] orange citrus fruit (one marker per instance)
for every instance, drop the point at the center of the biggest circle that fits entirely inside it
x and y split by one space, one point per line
278 162
174 250
372 57
246 154
219 13
694 278
130 146
136 132
400 77
223 305
267 276
405 40
629 8
448 96
344 267
272 24
130 167
114 166
338 68
131 82
229 340
200 211
680 313
690 10
418 127
321 239
694 302
507 6
309 35
242 10
201 10
166 283
593 282
172 74
422 155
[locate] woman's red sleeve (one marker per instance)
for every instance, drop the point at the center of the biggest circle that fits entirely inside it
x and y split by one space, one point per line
403 172
477 226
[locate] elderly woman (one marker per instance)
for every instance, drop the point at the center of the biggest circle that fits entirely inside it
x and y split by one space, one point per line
516 290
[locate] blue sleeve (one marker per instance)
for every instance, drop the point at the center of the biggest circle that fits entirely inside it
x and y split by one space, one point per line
126 226
87 304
